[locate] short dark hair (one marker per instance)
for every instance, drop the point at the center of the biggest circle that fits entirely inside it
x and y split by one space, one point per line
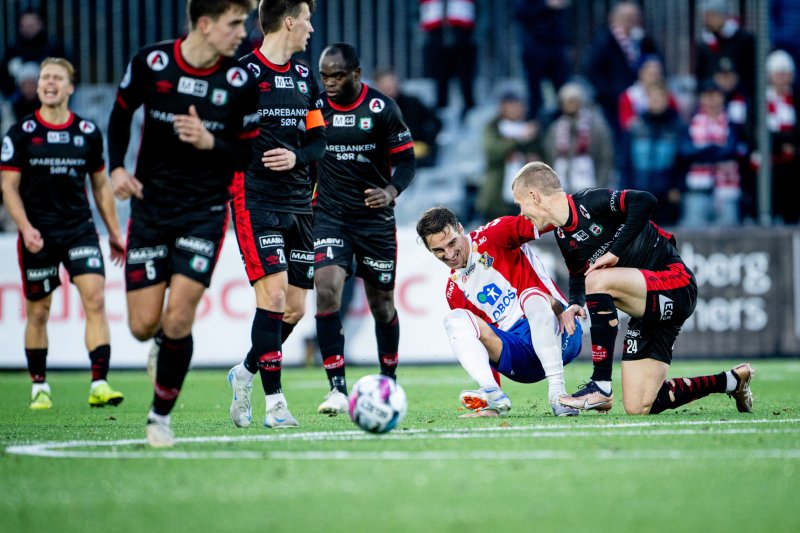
270 12
435 220
213 8
347 52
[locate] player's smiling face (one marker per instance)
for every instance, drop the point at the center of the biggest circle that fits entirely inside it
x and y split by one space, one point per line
341 84
54 86
226 33
451 246
300 29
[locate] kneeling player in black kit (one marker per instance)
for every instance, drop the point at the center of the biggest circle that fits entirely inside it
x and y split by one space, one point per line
369 161
618 258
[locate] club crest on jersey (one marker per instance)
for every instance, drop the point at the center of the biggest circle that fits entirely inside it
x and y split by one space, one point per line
596 229
255 69
86 127
78 140
302 70
236 76
560 233
486 260
302 87
219 97
157 60
584 212
344 121
8 149
580 236
376 105
365 123
28 126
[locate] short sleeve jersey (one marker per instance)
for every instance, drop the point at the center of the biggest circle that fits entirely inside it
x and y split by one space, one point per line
287 93
596 217
54 161
175 173
502 271
362 138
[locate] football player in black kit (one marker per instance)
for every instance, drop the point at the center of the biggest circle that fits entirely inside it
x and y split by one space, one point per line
45 160
200 114
369 161
272 203
618 258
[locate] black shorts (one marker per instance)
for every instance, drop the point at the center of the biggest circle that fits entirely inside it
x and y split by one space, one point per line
272 242
188 244
78 248
671 299
373 244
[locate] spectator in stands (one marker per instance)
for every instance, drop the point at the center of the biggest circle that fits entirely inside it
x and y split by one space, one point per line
449 49
26 100
723 37
783 122
613 59
713 183
510 140
420 119
653 142
32 46
633 101
784 18
579 144
543 37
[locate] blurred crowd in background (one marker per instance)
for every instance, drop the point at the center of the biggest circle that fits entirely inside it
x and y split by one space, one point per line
612 116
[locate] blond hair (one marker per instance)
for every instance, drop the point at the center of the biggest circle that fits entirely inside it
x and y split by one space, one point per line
61 62
538 176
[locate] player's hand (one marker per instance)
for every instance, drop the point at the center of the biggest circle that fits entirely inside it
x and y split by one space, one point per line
607 260
124 184
191 130
567 319
379 197
117 249
279 159
32 239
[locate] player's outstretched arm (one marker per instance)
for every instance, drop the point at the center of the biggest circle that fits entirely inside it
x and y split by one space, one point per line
104 199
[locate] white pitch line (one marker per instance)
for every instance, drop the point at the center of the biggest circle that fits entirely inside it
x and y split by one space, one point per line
62 449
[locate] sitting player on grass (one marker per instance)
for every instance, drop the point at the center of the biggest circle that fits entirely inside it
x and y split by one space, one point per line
505 309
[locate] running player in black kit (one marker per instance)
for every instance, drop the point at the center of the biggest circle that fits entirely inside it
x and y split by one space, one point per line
272 203
44 162
200 114
618 258
369 161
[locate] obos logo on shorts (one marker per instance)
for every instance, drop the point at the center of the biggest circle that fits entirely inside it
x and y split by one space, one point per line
236 76
8 149
157 60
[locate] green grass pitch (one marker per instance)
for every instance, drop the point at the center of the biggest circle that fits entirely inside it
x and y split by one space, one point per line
703 468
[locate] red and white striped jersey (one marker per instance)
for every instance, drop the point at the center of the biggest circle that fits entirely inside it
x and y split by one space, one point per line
502 271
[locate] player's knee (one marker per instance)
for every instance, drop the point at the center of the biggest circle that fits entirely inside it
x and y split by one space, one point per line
94 303
293 316
458 323
141 329
633 407
328 298
38 314
597 281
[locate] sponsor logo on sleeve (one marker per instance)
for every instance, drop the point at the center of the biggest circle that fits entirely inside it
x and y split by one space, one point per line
376 105
236 76
86 127
157 60
302 70
8 149
584 212
666 305
255 69
28 126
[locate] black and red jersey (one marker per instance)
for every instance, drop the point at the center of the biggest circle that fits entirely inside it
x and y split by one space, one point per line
174 173
616 221
362 137
288 97
53 160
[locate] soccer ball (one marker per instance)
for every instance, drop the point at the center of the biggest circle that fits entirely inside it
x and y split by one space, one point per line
377 404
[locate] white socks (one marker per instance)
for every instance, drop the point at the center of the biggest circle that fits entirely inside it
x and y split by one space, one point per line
555 387
731 381
605 386
243 374
40 387
274 399
465 342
